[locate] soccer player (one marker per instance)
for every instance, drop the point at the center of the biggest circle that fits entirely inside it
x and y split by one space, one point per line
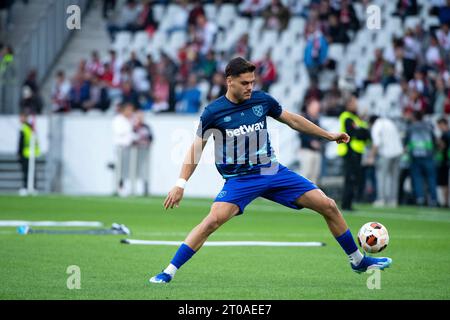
245 159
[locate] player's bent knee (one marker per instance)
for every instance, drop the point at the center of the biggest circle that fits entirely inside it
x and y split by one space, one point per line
211 223
330 208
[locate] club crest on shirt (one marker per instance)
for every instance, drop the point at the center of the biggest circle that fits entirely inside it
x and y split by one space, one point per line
221 194
258 110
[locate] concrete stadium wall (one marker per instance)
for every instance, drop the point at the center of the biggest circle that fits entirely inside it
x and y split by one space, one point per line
87 149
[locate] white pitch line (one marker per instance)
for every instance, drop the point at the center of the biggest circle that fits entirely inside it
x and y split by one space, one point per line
228 243
18 223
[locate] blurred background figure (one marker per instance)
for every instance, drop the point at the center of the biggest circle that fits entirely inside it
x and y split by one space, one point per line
352 152
143 141
444 159
421 143
123 137
27 151
310 156
385 153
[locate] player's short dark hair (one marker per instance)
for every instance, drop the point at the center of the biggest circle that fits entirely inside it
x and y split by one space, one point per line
238 66
443 121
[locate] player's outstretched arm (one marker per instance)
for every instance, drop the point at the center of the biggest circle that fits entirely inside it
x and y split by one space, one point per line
189 164
301 124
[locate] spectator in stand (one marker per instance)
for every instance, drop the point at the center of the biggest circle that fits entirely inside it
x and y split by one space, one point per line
420 142
169 68
130 95
312 93
205 33
443 36
420 83
134 61
444 13
416 102
188 100
276 16
444 159
316 52
116 66
150 66
79 92
98 95
378 69
441 103
347 16
160 93
31 99
335 33
404 68
217 88
108 74
128 19
313 22
242 47
207 66
347 82
196 11
310 156
333 101
60 93
252 8
222 61
95 66
146 20
187 55
433 55
390 77
267 71
406 8
324 11
403 100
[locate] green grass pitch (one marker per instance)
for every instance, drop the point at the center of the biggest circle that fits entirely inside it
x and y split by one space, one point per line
34 266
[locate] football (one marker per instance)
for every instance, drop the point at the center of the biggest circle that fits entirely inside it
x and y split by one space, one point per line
373 237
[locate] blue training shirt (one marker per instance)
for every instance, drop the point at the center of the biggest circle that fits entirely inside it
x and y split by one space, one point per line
241 139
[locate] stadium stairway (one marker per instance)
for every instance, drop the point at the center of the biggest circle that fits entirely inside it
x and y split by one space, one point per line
92 36
23 20
11 174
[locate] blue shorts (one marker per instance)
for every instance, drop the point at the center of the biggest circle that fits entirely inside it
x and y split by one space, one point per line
284 187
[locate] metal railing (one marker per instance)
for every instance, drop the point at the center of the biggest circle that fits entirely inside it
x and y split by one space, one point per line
38 50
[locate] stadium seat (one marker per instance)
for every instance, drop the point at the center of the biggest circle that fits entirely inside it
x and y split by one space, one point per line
140 41
393 91
336 51
225 15
203 86
159 11
296 25
374 90
122 42
411 22
210 11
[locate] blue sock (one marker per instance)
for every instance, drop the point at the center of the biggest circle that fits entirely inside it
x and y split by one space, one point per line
347 243
183 254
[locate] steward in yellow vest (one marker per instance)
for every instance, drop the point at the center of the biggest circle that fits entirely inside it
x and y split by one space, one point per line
356 128
24 150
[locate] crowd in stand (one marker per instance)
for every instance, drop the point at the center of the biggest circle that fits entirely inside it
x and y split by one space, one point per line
418 61
164 84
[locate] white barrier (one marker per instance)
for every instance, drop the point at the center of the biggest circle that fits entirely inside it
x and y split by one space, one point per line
88 149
